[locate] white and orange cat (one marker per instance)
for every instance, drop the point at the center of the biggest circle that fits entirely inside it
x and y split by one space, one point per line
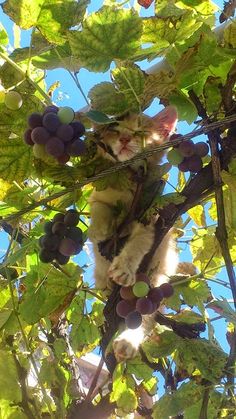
129 137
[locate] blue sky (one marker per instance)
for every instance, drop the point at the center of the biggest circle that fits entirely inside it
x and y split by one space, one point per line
67 94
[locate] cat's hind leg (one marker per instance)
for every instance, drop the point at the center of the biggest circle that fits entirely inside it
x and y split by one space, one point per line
126 345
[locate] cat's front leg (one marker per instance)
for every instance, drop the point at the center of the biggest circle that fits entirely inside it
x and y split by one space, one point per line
126 345
125 265
101 226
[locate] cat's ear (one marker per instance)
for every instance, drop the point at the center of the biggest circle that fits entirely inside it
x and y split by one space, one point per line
165 121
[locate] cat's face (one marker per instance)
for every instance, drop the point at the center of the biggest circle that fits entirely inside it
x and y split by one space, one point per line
134 132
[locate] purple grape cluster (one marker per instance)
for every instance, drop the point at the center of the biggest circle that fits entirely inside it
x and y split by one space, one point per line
62 238
55 133
140 299
188 156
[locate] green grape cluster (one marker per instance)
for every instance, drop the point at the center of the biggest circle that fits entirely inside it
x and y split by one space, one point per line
62 238
55 133
140 299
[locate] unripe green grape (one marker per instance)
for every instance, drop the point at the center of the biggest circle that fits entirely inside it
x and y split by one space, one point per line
174 157
140 289
39 151
66 115
13 100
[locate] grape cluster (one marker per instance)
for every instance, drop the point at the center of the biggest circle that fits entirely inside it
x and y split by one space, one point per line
188 156
62 238
141 299
55 133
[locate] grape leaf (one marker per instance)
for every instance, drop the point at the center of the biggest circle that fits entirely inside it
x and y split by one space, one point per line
98 117
107 35
202 355
15 160
9 387
130 81
163 344
3 36
193 293
172 404
186 109
137 367
51 17
198 215
224 308
106 98
8 411
213 408
123 390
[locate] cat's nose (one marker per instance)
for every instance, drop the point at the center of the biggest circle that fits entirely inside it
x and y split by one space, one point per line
125 140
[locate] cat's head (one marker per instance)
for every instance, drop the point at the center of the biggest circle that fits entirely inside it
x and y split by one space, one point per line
129 136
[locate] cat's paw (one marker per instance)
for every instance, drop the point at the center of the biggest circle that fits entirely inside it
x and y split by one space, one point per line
98 233
121 271
124 349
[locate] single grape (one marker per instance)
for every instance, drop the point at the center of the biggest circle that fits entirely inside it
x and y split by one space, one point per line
58 217
71 218
142 277
155 295
76 148
48 227
50 108
27 137
54 147
75 234
66 115
50 242
174 157
124 307
187 148
201 149
65 133
35 120
195 163
183 166
13 100
63 159
167 290
40 135
140 289
67 247
127 293
78 129
144 305
46 256
39 151
59 228
51 122
133 320
61 259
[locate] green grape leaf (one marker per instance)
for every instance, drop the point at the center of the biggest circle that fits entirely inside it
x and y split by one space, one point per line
51 17
150 386
9 387
8 411
186 109
224 309
230 35
202 355
130 81
173 404
206 252
60 57
161 345
118 180
212 94
123 390
172 197
3 36
193 293
88 337
107 99
137 367
15 160
107 35
98 117
46 290
213 407
229 179
161 84
24 13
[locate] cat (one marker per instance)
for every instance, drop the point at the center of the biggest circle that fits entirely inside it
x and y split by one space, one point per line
125 140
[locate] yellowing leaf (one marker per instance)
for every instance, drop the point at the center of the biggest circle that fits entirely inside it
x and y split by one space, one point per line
15 160
107 35
198 216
